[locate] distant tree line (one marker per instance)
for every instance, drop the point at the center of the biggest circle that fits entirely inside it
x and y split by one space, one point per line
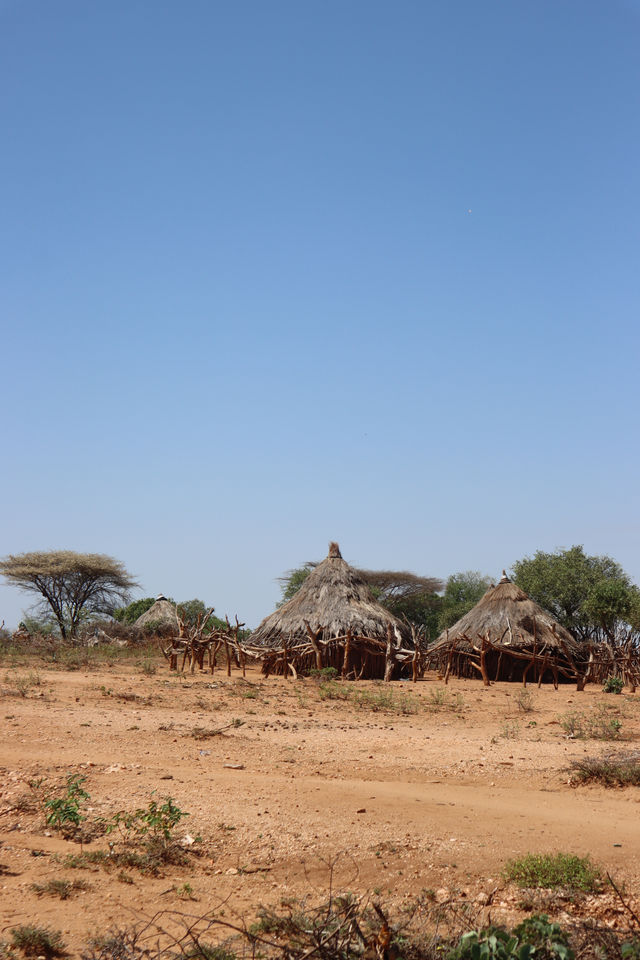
591 596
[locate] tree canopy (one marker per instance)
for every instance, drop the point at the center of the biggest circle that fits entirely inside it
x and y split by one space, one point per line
404 594
71 585
132 611
462 592
591 596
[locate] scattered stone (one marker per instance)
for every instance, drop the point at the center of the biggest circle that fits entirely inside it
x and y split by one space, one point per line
233 766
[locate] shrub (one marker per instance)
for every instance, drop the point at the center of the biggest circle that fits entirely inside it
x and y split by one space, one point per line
38 941
64 889
552 870
609 771
326 673
535 937
156 821
599 725
613 685
524 701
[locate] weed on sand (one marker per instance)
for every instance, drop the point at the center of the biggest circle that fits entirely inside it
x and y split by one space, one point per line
554 870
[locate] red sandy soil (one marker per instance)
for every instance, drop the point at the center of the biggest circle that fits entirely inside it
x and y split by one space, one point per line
435 799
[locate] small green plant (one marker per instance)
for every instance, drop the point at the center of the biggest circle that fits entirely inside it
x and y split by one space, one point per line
552 870
547 939
185 892
613 685
156 821
63 812
35 941
149 668
536 937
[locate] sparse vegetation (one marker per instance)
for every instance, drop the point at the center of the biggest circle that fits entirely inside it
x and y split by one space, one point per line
443 699
553 870
156 821
510 730
524 701
600 724
63 889
613 685
378 698
621 771
34 941
205 733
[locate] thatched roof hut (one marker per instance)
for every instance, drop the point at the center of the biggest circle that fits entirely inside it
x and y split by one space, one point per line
508 628
162 615
333 603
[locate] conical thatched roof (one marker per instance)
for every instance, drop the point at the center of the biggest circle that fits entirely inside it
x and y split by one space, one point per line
506 615
334 597
163 613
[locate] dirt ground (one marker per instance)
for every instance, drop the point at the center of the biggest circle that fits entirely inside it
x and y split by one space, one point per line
434 789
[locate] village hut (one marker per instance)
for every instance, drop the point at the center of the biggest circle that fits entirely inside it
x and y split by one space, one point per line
507 636
333 621
161 616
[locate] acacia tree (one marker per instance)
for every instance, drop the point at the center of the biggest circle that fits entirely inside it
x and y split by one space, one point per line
70 584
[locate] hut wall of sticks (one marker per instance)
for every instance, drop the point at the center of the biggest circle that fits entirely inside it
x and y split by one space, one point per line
334 621
507 636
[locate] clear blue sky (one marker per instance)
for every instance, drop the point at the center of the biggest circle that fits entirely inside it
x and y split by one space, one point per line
279 273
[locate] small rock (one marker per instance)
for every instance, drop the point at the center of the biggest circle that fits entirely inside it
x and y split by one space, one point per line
233 766
166 776
231 872
361 810
482 898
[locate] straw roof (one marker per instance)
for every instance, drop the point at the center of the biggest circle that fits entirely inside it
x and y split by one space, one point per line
162 613
334 597
506 615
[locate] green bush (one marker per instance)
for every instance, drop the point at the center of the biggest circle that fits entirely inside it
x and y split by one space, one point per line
551 870
35 941
613 685
535 937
